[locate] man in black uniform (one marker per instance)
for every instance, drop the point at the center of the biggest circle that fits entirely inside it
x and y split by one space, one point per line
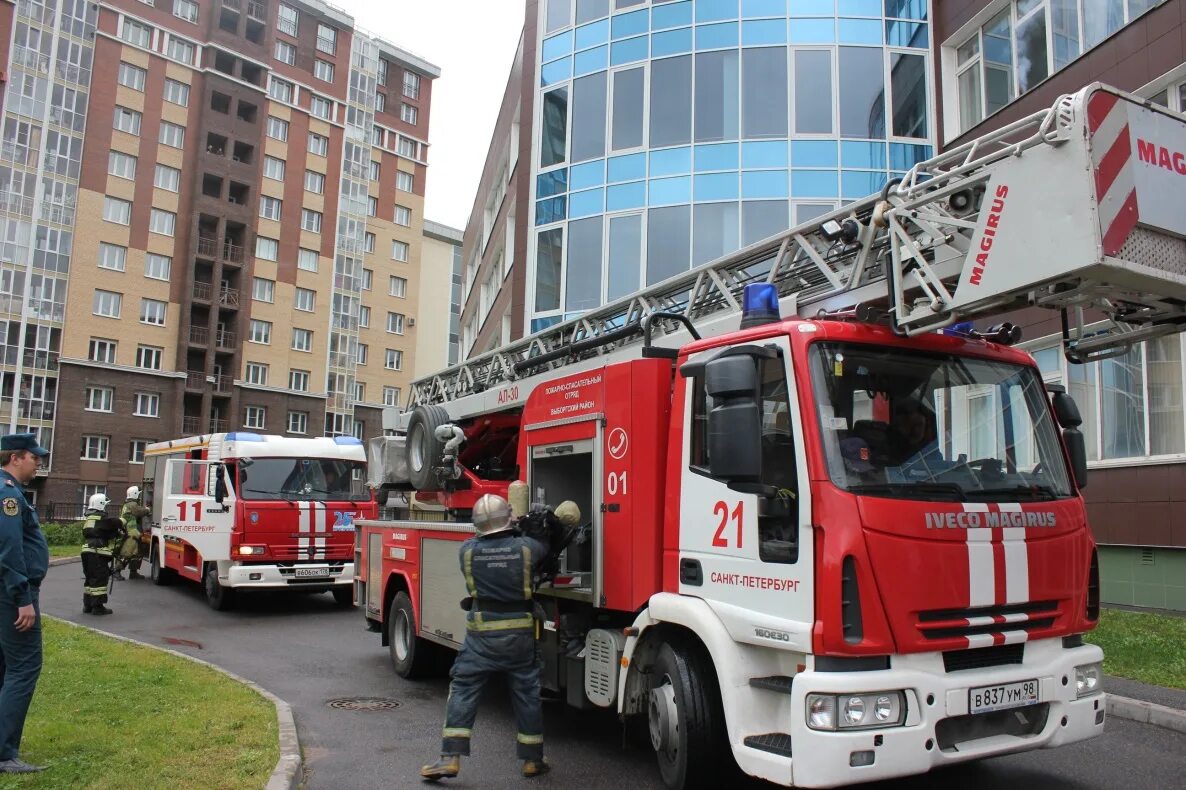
100 531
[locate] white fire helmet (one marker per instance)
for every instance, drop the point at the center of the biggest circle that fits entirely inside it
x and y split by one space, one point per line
97 502
133 492
491 514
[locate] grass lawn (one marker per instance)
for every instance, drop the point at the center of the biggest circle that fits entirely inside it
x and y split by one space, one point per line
108 714
1147 647
64 551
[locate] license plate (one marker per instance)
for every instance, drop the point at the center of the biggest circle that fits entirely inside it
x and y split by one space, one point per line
303 572
1000 697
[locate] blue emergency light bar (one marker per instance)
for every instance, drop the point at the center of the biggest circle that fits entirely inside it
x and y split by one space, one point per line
347 440
241 436
759 305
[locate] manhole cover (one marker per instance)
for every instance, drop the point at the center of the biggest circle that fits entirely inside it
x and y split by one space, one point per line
363 703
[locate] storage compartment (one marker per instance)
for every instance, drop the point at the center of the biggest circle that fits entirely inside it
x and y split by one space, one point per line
565 471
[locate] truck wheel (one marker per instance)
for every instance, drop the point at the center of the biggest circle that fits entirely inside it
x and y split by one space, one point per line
159 574
687 725
343 596
411 656
424 448
219 597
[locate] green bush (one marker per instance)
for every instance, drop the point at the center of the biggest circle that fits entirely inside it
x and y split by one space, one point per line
63 534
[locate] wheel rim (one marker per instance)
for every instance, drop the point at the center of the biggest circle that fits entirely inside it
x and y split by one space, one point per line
401 640
663 720
416 449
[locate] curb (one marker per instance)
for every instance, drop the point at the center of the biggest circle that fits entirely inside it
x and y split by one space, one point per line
54 561
287 773
1146 713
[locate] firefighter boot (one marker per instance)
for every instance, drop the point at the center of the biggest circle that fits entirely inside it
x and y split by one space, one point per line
535 768
445 768
100 609
134 575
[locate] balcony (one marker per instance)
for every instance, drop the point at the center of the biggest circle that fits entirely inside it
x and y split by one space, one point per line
195 380
35 359
229 297
208 246
257 10
202 291
30 59
15 203
199 336
233 252
192 426
225 339
235 4
224 384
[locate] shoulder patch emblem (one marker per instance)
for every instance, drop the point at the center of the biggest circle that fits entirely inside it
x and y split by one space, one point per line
11 506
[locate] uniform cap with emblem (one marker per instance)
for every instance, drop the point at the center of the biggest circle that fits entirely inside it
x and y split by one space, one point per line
22 441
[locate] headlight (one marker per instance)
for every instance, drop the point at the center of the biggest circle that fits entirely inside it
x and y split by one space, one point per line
857 711
249 550
1088 679
821 711
854 711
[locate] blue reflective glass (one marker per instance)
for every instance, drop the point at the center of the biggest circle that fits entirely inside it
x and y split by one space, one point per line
631 24
814 183
592 34
671 15
628 51
588 174
671 162
556 46
768 153
814 153
756 8
713 10
716 186
549 210
586 204
860 31
669 191
718 156
906 9
813 7
591 60
904 156
624 196
551 183
764 31
672 42
860 8
554 72
716 36
857 184
906 34
813 31
858 154
764 184
628 167
540 324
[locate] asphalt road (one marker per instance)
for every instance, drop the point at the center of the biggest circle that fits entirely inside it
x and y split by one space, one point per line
310 652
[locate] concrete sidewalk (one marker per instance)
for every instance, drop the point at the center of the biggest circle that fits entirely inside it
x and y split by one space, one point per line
1136 701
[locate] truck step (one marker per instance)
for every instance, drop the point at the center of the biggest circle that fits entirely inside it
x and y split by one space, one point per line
778 683
774 742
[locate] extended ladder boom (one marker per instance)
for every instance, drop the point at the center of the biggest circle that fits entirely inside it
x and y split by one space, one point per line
1079 207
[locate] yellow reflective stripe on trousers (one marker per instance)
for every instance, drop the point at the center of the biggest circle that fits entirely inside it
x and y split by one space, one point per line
529 740
478 624
95 590
456 732
527 572
468 569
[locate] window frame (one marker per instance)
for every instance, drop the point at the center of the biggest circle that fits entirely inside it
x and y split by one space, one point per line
139 400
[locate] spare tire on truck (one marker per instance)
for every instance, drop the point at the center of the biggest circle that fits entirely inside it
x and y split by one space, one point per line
423 447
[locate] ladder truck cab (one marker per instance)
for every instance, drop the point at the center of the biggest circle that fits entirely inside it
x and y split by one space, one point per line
832 532
242 511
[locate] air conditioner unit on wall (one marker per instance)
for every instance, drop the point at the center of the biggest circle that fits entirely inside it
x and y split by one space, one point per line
411 322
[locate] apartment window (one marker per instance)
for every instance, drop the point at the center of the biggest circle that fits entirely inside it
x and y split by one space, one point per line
380 102
132 76
362 353
266 249
153 312
395 323
372 206
302 339
112 256
269 207
364 316
404 181
101 350
263 290
95 448
281 90
99 398
368 279
157 267
172 135
149 357
162 222
85 492
261 331
146 404
377 135
273 168
375 170
286 53
318 144
403 216
136 33
136 450
314 182
310 220
177 92
382 71
360 392
167 178
393 359
399 251
287 20
298 380
180 50
186 9
411 85
277 128
397 286
327 39
305 300
121 165
408 114
321 107
127 120
307 260
408 147
323 70
391 396
298 422
255 417
368 242
256 373
107 304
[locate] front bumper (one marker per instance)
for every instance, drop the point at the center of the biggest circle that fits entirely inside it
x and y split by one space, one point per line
265 576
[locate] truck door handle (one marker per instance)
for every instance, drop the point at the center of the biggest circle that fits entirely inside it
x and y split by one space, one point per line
690 572
169 518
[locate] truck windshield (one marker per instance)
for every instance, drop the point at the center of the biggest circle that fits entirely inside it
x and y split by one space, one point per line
917 425
302 479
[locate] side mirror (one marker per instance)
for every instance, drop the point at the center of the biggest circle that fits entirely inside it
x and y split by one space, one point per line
735 422
1066 411
220 490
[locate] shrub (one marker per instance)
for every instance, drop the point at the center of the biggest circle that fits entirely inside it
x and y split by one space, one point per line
63 534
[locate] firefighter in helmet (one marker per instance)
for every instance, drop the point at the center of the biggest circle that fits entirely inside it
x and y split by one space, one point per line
100 531
131 549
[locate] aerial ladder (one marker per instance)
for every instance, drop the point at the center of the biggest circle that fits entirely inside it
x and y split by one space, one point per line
1079 208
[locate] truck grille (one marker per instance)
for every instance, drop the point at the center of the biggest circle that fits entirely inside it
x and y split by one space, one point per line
295 552
982 657
954 623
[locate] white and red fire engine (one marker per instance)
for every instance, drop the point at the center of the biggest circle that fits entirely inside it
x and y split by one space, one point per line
839 546
239 511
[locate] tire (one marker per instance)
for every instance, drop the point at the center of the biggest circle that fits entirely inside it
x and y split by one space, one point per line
160 575
686 722
411 656
423 447
220 598
343 595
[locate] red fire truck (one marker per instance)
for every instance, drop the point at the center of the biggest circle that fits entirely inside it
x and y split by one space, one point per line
240 511
842 545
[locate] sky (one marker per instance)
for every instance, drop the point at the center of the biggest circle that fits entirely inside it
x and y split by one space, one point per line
473 43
